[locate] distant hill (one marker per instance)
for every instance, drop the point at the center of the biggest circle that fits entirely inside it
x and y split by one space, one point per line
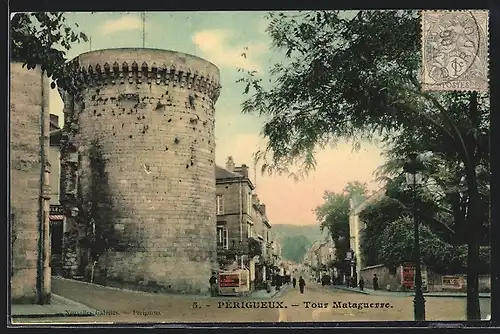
289 235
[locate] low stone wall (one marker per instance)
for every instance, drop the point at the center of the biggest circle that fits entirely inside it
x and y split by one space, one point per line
434 280
436 283
384 277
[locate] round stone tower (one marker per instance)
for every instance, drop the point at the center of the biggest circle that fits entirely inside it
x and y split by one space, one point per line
141 133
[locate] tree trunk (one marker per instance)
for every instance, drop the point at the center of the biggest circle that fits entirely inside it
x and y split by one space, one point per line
473 227
474 215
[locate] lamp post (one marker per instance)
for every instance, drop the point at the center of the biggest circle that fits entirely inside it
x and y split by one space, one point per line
350 261
413 177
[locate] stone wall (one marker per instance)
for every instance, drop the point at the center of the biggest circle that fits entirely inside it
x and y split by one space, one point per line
384 277
29 96
434 280
152 113
436 283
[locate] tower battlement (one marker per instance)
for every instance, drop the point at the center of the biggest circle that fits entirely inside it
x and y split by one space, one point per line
146 66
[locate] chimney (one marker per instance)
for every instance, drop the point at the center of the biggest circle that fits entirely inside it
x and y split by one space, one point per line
230 164
243 170
255 200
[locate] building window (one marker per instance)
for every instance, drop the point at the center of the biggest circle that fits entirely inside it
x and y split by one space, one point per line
220 205
249 230
56 237
222 237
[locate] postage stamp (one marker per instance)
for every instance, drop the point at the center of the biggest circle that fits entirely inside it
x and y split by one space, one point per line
455 51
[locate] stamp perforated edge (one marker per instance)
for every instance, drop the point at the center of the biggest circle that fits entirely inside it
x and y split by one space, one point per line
429 87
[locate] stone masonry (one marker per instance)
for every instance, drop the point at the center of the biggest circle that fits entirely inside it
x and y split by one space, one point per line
29 97
153 113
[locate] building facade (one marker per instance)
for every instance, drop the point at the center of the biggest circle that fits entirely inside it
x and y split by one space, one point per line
275 252
326 252
312 259
357 205
29 185
56 214
234 214
243 230
262 229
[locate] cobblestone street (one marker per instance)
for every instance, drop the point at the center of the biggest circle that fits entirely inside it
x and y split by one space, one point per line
333 305
317 304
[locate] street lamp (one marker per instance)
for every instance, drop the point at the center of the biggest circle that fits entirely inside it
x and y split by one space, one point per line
350 256
412 170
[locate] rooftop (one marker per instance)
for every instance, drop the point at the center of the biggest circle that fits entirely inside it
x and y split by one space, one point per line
222 173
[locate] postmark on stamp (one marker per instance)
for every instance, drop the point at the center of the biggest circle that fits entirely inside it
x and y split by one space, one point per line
455 51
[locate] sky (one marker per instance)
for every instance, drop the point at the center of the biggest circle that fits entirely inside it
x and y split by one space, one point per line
221 38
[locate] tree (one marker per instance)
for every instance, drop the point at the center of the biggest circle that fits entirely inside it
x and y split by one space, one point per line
396 247
295 248
442 199
388 235
98 214
42 39
377 217
333 215
445 173
340 81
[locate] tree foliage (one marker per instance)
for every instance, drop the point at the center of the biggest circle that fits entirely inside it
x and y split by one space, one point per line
97 211
445 192
396 247
43 39
295 248
388 235
355 75
377 217
254 247
333 215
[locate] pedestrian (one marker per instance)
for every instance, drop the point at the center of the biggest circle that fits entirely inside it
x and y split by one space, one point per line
213 285
361 284
375 282
279 282
294 282
302 284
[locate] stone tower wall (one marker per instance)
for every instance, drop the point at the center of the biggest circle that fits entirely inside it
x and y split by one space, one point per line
152 113
29 91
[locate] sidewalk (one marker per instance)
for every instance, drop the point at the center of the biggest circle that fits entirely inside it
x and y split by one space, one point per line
66 286
59 306
72 289
263 294
406 294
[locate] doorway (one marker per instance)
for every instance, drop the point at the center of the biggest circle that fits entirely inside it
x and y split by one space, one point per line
56 246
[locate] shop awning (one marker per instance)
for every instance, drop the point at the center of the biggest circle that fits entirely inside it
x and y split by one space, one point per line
56 217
